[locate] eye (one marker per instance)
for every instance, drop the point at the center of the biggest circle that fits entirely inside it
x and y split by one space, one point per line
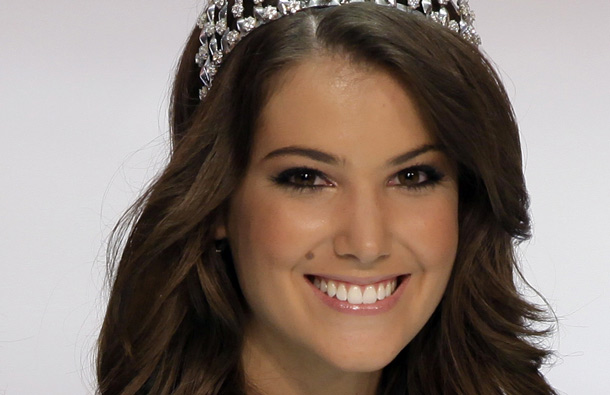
412 177
302 178
417 177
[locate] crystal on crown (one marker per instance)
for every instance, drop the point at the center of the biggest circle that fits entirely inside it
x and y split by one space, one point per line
289 6
201 56
246 25
267 14
210 69
454 26
201 21
232 38
455 15
221 26
238 9
209 28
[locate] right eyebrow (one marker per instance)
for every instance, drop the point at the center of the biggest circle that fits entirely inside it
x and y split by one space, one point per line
310 153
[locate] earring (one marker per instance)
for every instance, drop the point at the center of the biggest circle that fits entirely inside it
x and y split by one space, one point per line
221 245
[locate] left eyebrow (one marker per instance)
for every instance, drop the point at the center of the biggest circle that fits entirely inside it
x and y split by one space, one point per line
330 159
407 156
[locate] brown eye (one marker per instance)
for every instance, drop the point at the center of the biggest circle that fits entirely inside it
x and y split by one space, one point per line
412 177
304 178
417 177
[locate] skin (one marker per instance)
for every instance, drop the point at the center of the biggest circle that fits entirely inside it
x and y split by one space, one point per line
363 221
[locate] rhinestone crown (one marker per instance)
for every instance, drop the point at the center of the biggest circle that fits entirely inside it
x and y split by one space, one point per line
218 38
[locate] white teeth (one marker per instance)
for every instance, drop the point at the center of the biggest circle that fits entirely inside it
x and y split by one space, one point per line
370 295
381 292
354 296
342 293
331 289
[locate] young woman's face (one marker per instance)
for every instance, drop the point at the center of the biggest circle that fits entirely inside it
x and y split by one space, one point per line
345 228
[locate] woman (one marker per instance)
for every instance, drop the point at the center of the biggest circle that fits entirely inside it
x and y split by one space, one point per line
338 215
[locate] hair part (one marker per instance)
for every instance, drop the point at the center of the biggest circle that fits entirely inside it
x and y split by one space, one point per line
175 316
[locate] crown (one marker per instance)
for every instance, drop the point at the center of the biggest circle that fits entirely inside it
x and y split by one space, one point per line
218 38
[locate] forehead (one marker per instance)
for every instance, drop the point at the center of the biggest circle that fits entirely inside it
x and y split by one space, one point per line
352 110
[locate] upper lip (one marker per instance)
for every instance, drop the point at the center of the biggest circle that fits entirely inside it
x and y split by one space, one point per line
358 280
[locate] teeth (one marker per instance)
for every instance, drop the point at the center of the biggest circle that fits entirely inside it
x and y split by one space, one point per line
331 289
342 293
356 294
323 286
381 292
370 295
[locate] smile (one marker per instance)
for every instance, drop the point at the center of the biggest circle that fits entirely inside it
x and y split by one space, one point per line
366 297
356 294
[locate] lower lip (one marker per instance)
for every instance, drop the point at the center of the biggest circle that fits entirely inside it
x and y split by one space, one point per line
379 307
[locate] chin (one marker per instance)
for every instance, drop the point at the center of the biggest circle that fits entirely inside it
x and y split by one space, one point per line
366 365
362 358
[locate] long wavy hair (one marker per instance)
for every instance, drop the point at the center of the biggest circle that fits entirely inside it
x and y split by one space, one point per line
175 316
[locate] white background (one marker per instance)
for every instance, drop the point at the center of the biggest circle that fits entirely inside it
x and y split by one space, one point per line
83 98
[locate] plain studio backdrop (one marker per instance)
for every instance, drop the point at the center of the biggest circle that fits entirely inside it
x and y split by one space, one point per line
83 99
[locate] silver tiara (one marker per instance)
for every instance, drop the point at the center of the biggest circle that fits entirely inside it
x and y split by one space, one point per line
218 38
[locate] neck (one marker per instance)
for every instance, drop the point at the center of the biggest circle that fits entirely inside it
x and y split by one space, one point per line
275 370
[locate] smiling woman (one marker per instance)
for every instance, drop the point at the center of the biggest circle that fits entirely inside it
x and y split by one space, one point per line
331 232
338 215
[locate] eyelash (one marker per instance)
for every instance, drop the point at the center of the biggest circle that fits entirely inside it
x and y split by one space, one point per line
284 179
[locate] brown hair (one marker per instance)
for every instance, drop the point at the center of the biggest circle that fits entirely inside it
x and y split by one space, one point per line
175 316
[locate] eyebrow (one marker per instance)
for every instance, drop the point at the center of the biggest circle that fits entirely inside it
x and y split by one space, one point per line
330 159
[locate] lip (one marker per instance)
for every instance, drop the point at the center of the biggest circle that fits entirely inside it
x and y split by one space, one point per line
379 307
358 280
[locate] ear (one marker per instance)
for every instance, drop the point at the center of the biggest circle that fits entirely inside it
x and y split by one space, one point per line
220 230
220 226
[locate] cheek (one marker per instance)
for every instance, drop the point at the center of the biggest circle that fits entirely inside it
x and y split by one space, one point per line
270 231
432 232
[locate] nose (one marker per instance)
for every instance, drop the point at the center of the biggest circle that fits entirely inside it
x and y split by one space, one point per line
362 234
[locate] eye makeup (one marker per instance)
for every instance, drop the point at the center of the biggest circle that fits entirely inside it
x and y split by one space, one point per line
307 179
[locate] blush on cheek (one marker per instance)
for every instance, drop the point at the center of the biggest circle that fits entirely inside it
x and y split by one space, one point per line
433 233
286 220
271 229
